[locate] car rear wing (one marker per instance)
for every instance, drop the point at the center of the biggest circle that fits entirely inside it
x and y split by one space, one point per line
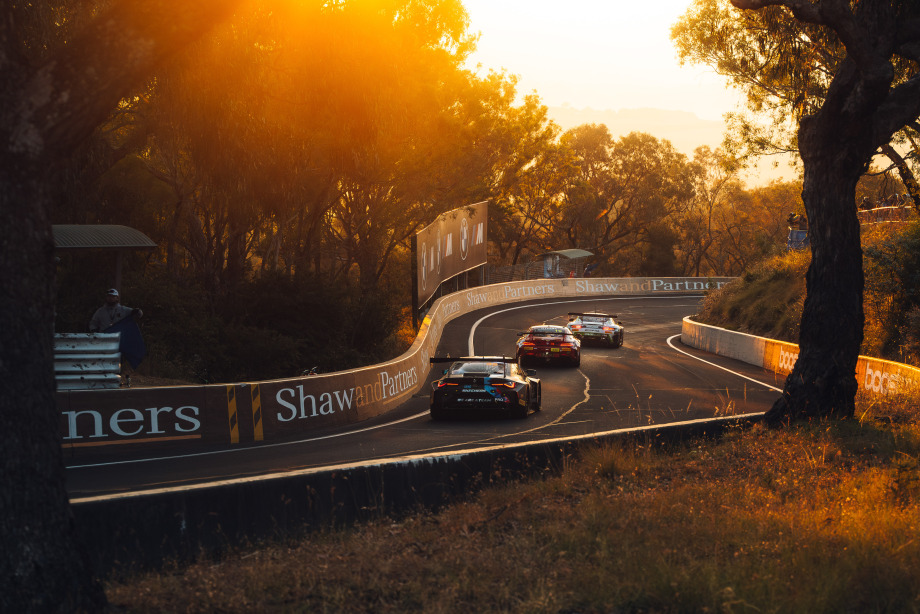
437 359
592 315
556 333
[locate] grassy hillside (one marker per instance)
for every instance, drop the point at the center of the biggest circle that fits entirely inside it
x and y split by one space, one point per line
767 300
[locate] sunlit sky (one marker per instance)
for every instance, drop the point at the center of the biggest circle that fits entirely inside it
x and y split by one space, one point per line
603 54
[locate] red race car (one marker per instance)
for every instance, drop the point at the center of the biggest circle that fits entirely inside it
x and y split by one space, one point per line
548 342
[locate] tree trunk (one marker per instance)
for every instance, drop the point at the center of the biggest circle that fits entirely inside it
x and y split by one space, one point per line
823 381
48 105
41 566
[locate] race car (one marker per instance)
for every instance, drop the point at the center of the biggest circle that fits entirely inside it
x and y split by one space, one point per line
549 342
597 327
484 385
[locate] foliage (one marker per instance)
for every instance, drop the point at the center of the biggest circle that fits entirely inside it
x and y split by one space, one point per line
274 166
893 294
767 299
784 67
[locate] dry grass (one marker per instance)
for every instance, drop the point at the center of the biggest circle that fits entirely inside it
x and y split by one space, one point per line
822 517
765 301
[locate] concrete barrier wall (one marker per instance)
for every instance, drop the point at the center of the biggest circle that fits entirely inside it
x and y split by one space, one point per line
874 375
746 348
135 421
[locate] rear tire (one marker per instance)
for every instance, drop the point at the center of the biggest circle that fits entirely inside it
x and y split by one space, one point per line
522 411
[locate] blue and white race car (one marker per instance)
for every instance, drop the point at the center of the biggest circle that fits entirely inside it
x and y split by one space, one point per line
484 386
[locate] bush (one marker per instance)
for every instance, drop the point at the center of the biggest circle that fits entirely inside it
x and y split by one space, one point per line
892 304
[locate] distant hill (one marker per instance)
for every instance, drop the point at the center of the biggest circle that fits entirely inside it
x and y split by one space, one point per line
683 129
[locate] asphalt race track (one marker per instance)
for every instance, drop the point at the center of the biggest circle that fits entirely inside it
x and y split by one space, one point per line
652 379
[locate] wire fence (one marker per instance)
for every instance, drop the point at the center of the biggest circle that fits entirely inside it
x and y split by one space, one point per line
887 214
536 269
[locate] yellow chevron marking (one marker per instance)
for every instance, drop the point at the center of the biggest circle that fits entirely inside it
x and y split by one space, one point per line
257 413
231 413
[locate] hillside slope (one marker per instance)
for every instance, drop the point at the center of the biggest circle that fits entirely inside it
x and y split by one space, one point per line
767 300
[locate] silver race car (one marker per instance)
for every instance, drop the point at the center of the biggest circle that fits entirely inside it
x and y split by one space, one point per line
597 327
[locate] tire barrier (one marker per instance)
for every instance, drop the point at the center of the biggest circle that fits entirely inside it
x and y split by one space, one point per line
133 422
874 375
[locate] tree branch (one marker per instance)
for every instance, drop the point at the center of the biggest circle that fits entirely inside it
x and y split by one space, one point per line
901 108
802 9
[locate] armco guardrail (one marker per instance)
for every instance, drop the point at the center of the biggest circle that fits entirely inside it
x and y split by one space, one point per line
139 420
874 375
87 360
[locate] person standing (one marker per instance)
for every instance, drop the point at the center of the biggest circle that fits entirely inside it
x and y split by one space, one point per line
113 317
111 313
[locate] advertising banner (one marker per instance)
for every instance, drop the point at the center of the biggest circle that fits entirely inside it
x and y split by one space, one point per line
454 243
873 375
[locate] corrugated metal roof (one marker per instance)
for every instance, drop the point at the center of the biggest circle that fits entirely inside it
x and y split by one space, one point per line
99 236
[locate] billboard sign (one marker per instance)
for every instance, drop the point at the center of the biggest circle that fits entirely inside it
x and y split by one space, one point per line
454 243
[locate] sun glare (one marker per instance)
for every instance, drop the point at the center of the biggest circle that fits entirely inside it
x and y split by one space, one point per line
595 53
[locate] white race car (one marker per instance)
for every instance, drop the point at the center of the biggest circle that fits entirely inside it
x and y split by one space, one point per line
597 327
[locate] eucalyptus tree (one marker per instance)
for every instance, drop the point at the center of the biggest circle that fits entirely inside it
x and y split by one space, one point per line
506 149
620 191
715 179
535 202
743 234
56 86
587 193
754 224
227 148
854 70
400 59
728 227
784 66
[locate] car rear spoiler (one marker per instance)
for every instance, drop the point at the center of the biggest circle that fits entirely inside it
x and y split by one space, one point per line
435 359
594 315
